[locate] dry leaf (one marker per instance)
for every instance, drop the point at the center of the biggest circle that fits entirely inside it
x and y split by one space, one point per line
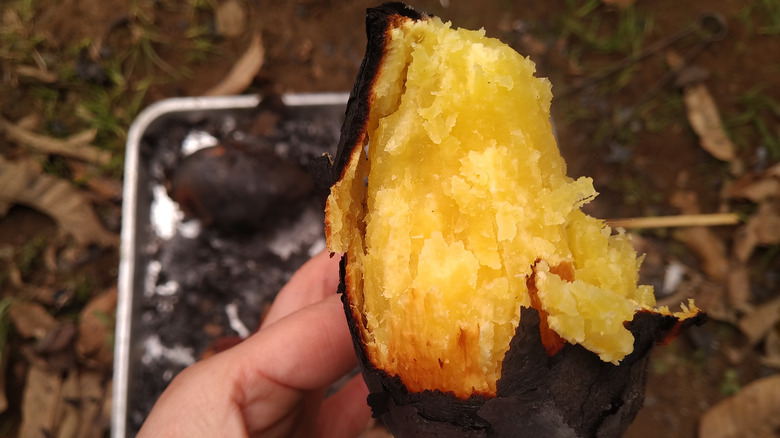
771 356
753 412
230 19
57 339
705 121
710 250
76 146
761 229
766 223
708 295
56 198
739 286
92 394
104 416
757 324
31 320
245 70
96 324
68 414
105 188
757 187
39 403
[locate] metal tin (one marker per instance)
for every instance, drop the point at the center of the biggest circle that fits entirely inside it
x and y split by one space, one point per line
136 213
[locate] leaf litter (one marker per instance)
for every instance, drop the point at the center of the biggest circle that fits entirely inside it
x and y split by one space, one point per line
752 413
55 197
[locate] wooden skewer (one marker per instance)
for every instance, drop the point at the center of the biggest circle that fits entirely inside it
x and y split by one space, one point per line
685 220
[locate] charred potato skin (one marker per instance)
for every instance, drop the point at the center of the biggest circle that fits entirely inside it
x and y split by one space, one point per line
572 393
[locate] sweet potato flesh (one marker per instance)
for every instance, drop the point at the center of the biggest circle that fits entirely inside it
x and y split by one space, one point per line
458 203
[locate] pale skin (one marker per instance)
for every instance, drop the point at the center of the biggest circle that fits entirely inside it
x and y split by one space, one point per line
273 384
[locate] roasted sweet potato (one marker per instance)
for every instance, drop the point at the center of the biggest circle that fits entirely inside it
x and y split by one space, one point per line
482 300
236 187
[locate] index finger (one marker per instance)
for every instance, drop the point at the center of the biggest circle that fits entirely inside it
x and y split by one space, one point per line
312 282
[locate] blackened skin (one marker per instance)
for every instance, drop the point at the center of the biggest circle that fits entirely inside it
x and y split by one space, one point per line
572 394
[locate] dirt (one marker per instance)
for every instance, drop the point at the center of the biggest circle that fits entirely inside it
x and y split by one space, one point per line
316 46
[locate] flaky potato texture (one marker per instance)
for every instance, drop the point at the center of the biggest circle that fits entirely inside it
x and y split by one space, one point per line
457 212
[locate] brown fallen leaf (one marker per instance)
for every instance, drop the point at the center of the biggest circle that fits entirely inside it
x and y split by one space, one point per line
31 320
92 394
96 325
757 187
103 419
76 146
771 357
766 223
739 286
68 413
57 339
705 121
56 198
108 189
243 72
761 321
710 250
39 403
761 229
710 297
230 19
750 413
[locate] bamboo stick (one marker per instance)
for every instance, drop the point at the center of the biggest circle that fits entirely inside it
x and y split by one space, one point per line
685 220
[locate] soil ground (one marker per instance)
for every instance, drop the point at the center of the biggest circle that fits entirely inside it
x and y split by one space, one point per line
638 145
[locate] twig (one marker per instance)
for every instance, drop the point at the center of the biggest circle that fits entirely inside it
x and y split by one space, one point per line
76 146
686 220
243 72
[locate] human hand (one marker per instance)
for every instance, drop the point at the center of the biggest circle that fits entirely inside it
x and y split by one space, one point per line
273 384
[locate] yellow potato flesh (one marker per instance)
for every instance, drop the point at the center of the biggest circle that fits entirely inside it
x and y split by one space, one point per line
466 199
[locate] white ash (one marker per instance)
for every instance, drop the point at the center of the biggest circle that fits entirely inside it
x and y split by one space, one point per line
153 269
292 240
235 322
165 214
189 229
197 140
154 350
167 289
